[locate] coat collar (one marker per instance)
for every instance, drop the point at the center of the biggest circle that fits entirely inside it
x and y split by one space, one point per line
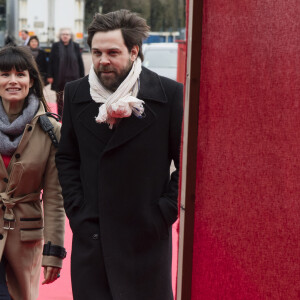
150 90
27 134
41 111
25 138
151 87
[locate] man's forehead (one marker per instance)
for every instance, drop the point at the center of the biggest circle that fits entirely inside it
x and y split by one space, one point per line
110 35
108 39
103 48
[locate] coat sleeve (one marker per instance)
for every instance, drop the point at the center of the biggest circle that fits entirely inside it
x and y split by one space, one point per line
80 61
52 61
68 161
169 201
54 215
43 63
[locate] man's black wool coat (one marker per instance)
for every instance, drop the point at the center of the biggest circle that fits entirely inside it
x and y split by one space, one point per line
118 193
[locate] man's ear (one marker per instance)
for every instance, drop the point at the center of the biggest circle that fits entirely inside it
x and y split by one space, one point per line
134 52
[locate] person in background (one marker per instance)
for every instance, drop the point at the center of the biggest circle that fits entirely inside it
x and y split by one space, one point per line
39 56
121 130
65 64
10 40
27 166
25 37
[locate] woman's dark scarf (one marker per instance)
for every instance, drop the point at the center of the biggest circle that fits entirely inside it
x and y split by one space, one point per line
35 52
68 64
11 133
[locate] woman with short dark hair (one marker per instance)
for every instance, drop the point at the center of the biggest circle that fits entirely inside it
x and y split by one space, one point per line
39 56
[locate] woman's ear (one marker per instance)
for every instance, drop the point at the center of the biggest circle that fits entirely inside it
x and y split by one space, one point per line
31 83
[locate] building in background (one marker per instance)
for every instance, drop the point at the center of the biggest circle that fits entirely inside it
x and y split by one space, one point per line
43 18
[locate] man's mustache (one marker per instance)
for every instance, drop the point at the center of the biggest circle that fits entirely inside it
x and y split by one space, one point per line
105 69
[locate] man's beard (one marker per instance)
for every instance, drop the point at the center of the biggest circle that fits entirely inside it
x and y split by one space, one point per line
112 83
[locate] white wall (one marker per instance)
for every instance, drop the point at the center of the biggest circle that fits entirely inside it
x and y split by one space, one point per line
37 12
64 16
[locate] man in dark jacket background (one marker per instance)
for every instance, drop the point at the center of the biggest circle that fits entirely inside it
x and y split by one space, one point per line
65 64
121 130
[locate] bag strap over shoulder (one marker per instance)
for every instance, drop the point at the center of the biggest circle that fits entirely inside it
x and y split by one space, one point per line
47 126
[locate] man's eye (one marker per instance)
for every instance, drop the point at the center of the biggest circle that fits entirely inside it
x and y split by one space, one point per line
97 53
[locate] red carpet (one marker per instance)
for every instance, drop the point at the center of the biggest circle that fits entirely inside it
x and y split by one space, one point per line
61 288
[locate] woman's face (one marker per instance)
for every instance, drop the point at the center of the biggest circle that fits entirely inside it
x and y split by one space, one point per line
14 85
34 43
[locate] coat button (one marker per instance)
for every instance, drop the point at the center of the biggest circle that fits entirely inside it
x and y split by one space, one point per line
29 128
1 236
95 236
17 155
5 180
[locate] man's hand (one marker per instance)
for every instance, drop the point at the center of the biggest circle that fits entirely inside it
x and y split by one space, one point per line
50 80
51 274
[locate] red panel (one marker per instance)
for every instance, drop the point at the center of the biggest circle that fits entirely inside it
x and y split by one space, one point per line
181 61
247 225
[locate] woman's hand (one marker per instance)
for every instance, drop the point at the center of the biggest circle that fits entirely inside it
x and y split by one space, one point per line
50 274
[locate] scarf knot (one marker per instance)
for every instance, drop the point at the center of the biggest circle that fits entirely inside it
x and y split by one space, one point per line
121 103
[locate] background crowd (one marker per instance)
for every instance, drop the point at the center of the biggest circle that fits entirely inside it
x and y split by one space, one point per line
64 63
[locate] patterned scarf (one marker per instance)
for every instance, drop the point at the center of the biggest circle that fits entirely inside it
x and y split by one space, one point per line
11 133
123 101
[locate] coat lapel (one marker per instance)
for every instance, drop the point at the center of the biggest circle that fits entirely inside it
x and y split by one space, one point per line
87 119
3 171
150 90
27 134
128 128
87 110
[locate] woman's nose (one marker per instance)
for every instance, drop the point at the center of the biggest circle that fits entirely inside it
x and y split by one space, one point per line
12 79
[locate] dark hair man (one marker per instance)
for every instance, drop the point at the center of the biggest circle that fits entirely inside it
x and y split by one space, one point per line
121 130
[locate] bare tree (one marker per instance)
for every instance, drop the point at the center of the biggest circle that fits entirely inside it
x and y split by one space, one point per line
161 15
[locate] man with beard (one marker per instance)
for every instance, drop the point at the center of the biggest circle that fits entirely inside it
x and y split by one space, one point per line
121 130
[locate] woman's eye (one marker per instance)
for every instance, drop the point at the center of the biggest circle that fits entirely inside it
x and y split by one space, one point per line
4 74
21 74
